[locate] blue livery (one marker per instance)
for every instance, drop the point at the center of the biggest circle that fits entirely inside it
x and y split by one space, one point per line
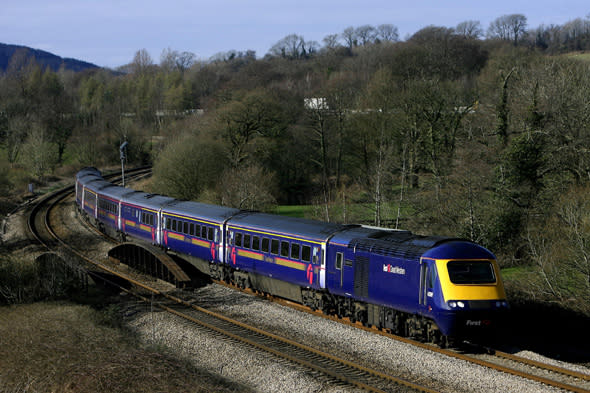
430 287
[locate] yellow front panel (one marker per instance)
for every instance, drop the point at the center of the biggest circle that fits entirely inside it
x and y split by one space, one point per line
469 291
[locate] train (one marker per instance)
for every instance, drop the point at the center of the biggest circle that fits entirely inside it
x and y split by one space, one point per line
433 288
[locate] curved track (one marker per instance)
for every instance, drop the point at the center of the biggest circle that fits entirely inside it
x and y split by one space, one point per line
548 374
331 367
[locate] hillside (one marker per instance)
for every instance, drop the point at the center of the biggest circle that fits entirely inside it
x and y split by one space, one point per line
43 58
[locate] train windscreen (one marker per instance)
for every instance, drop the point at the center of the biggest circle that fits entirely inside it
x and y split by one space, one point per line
471 272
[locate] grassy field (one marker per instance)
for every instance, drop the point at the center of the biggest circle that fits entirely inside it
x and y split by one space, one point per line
579 56
62 347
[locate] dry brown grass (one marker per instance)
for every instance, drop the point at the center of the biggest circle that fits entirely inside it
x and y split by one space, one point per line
49 347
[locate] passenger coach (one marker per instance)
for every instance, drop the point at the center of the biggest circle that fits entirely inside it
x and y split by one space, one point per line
429 287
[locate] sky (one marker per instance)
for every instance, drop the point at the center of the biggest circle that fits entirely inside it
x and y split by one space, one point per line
108 33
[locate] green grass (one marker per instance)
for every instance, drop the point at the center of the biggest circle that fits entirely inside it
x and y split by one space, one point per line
517 273
294 210
579 56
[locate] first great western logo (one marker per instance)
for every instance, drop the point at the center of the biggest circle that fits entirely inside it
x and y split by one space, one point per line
394 269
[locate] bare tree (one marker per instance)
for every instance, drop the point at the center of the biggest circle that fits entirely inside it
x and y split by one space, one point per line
39 155
330 41
349 36
248 187
142 61
387 32
508 27
292 46
365 34
469 29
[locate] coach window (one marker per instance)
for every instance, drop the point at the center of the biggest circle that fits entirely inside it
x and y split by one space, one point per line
173 225
338 261
285 249
238 240
295 251
265 244
246 241
306 253
210 234
186 227
168 223
255 243
316 255
191 229
274 247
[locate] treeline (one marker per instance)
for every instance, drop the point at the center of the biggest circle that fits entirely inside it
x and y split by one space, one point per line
446 132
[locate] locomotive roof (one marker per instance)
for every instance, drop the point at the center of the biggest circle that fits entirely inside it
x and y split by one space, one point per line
290 226
200 210
362 231
406 245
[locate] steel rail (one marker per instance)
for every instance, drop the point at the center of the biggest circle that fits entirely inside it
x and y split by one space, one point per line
471 359
62 194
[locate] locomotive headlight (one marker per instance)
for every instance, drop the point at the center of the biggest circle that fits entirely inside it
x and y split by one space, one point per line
461 304
452 304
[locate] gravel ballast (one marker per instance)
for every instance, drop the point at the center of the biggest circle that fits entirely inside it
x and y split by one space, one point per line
266 373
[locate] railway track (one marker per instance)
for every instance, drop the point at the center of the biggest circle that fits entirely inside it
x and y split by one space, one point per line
335 369
331 367
548 374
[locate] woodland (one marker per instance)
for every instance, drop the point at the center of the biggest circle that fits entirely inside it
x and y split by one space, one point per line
475 132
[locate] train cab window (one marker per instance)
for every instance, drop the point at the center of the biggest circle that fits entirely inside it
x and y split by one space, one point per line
338 261
255 243
247 241
265 244
238 240
274 247
306 253
471 272
210 234
285 249
295 249
431 277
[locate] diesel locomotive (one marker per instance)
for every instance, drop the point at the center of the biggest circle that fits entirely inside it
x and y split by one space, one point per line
432 288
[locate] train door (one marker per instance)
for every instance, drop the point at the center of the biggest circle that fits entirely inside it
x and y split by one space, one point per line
322 265
427 280
229 248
